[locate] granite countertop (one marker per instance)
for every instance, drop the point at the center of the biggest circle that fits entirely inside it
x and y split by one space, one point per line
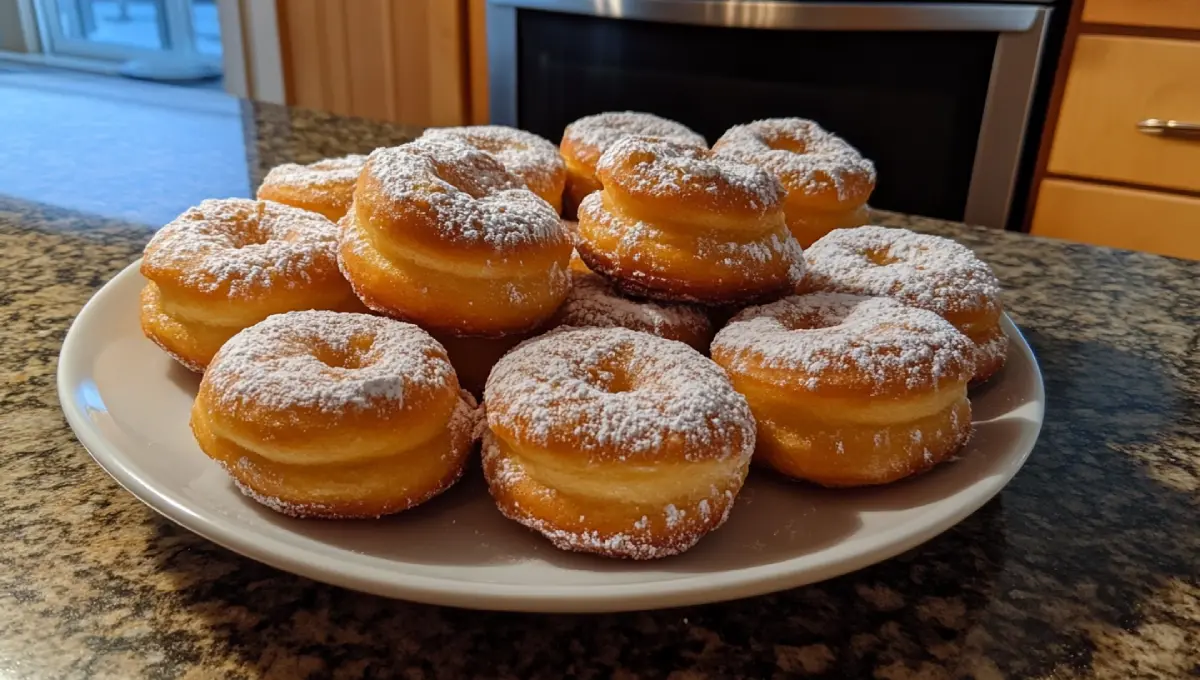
1086 565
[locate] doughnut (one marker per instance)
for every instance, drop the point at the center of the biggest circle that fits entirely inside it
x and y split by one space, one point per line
681 224
614 442
322 414
572 228
473 358
577 265
826 182
229 263
919 270
849 390
531 158
441 235
593 301
325 187
586 140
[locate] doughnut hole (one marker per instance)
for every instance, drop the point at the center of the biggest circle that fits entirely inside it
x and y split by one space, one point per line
612 377
463 180
786 143
880 257
251 234
809 321
351 357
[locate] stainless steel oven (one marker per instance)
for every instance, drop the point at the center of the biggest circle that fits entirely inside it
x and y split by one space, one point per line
938 94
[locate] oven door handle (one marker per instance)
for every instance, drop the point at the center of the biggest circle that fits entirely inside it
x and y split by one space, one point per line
817 16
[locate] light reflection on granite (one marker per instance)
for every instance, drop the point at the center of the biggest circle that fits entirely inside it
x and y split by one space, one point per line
1085 566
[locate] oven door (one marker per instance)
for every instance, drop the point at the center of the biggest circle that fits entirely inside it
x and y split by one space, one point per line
937 94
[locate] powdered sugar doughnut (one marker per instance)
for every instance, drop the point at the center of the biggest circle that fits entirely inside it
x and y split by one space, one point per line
228 264
614 442
850 390
320 414
593 301
920 270
442 235
586 140
826 181
326 186
531 158
681 224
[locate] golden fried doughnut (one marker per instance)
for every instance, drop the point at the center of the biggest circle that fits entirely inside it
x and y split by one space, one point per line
850 390
919 270
321 414
614 442
534 160
577 264
681 224
228 264
473 358
826 181
326 186
586 140
440 234
593 301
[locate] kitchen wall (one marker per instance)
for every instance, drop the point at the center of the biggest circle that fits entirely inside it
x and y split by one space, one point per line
12 33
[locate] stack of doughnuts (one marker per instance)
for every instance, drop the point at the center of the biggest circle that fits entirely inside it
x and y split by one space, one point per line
586 140
442 235
708 308
826 181
679 223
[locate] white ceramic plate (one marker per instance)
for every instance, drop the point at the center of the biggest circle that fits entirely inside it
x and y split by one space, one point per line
129 403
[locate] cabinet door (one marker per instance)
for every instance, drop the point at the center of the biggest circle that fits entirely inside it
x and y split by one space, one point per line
1158 13
1160 223
1115 82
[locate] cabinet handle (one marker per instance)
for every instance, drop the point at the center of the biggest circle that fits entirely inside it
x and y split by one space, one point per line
1169 128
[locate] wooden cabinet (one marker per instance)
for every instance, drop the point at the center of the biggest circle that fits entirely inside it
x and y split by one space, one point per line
398 60
1102 180
1183 14
1136 219
1116 81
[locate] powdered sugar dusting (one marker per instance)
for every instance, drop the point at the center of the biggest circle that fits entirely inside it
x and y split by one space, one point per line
800 153
329 171
613 387
991 353
593 301
285 507
275 364
473 198
665 168
593 135
924 271
522 153
878 340
778 245
243 246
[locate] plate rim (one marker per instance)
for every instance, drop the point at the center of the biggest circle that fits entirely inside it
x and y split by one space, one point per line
694 589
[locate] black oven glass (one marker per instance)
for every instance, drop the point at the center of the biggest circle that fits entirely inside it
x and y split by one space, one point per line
911 101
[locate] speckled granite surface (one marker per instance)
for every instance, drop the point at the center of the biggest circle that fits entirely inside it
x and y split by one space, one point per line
1085 566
